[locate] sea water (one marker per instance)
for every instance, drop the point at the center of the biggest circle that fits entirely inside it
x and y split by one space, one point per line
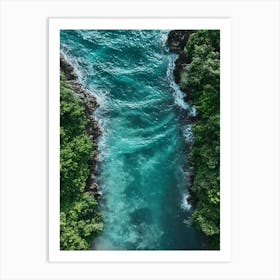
142 169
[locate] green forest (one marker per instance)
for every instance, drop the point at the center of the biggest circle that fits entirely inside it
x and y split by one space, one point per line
202 84
80 222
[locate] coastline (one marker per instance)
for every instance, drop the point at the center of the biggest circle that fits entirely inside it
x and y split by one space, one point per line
93 130
80 220
176 41
197 73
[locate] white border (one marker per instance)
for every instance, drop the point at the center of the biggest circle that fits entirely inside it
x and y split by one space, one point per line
224 254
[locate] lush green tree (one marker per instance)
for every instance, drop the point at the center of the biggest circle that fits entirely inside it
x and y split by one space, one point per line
198 38
79 220
202 83
79 224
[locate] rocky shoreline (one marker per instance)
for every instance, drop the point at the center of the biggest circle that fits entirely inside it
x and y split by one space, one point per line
93 130
176 41
197 73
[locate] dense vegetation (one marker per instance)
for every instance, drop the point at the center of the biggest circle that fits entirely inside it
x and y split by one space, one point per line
202 83
79 220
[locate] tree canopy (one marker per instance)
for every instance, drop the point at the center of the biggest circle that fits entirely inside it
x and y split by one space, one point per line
202 84
80 222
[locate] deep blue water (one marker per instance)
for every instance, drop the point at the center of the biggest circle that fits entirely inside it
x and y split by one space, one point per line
142 152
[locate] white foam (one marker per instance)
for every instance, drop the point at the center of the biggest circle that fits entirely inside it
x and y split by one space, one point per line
74 62
101 96
184 203
192 111
188 134
178 94
163 37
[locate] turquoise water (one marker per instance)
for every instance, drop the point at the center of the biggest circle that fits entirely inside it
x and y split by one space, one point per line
142 167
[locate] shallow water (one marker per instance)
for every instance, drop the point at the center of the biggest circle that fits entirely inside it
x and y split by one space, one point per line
142 151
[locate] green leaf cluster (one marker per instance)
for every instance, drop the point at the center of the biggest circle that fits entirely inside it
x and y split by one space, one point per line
79 220
80 223
202 83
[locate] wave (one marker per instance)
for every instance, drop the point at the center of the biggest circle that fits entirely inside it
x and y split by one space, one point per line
177 93
188 134
100 94
184 203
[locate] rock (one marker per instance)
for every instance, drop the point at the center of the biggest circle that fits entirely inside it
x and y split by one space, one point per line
181 59
186 97
91 182
190 200
67 69
98 193
177 39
